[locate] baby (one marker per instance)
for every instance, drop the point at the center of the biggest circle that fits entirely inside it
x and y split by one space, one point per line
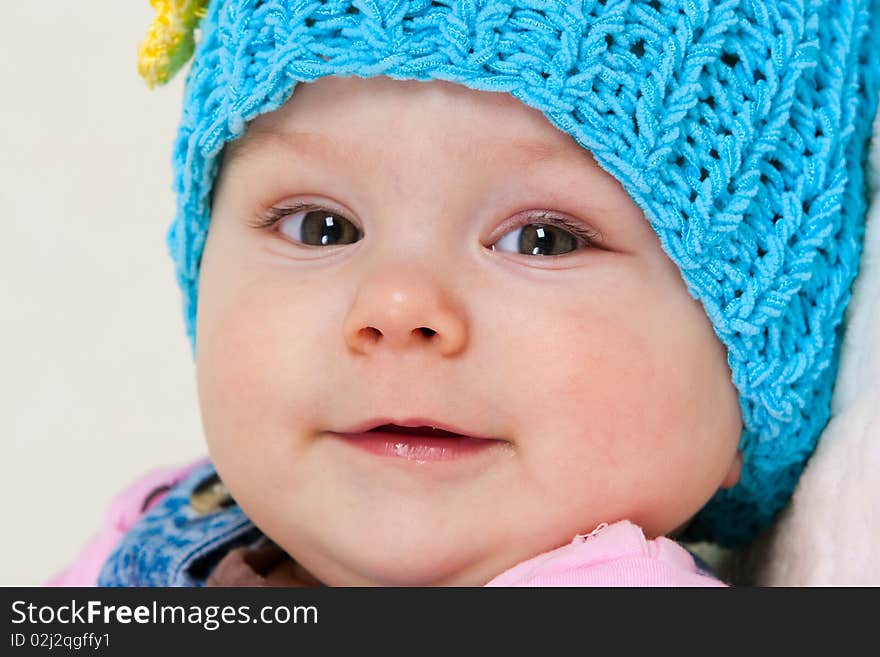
466 280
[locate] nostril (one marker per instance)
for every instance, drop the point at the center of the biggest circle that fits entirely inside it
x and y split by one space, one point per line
427 332
370 334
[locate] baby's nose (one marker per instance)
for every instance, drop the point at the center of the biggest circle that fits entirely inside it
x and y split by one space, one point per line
405 308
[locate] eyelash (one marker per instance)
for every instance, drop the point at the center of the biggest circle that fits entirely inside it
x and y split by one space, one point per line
587 236
273 215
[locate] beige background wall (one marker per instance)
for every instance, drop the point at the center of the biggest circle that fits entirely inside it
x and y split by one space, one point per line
98 382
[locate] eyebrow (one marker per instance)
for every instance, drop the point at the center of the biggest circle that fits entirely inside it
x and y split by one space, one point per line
323 146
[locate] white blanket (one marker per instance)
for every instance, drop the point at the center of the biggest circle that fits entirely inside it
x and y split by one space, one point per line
829 535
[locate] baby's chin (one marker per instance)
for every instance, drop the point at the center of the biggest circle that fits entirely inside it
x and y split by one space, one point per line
425 560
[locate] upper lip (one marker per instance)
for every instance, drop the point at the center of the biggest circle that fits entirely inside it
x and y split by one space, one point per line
363 427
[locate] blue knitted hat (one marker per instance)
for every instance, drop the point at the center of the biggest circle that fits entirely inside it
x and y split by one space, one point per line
739 127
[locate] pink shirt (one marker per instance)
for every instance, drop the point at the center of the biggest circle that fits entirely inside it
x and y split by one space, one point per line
611 555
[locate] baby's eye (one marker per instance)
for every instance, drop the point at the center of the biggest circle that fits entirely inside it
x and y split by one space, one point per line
313 226
544 239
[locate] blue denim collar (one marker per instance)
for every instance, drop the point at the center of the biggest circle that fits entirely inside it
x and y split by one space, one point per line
173 544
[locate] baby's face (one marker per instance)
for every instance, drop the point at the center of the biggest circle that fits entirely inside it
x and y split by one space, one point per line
573 343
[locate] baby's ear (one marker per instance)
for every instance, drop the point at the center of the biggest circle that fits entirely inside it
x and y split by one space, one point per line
732 476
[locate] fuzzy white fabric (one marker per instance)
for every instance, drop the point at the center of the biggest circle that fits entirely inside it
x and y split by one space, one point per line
829 535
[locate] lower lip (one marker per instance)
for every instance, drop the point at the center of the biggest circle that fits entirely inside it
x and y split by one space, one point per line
418 448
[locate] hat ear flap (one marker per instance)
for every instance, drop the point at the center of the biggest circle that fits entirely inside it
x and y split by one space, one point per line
170 39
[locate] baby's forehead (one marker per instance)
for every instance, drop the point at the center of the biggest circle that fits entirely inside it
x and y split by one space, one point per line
384 113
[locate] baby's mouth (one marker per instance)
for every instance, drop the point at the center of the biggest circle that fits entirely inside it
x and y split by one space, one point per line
417 431
417 440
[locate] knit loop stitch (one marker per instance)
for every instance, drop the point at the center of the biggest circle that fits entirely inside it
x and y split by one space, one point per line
739 127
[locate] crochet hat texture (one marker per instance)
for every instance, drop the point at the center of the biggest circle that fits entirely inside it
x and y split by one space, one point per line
739 127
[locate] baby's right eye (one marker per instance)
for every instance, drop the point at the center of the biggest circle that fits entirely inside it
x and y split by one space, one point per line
313 226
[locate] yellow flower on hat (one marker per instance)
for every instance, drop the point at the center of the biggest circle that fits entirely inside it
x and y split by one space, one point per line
170 41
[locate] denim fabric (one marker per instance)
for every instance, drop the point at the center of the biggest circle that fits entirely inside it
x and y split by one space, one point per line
173 545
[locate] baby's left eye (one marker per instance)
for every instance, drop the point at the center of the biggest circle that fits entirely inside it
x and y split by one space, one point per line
543 239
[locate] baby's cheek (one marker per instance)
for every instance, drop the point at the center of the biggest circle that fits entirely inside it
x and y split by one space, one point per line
254 392
248 362
630 395
582 405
